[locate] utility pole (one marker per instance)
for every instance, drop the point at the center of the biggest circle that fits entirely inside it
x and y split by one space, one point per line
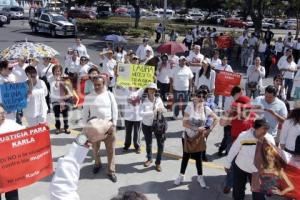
164 22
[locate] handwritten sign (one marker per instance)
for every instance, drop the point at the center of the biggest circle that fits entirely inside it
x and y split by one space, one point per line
225 81
25 157
14 96
131 75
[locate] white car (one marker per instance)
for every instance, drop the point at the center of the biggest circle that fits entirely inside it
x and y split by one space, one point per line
289 24
15 12
151 17
268 25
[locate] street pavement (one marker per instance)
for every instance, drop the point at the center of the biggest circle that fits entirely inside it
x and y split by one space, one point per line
131 173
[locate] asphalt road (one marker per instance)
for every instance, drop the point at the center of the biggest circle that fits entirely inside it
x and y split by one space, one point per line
130 171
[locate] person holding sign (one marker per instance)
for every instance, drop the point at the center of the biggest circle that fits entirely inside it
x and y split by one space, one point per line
36 110
6 76
8 125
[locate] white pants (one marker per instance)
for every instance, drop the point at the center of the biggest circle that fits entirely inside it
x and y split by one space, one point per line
32 121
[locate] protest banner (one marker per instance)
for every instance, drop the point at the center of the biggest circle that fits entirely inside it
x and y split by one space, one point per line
25 157
278 172
132 75
225 81
14 96
224 42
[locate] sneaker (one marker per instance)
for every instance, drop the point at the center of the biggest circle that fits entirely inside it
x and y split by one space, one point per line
226 190
113 178
147 163
125 149
67 131
179 180
158 168
201 181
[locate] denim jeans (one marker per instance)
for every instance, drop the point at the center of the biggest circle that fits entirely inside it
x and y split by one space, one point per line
147 130
217 97
180 97
288 83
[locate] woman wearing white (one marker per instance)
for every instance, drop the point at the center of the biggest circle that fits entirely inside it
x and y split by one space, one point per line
36 110
206 76
151 106
162 75
195 116
132 118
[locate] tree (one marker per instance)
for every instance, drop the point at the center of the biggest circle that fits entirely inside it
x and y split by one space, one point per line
294 10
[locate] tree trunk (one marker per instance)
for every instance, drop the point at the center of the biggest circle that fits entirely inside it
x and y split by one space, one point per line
297 28
136 24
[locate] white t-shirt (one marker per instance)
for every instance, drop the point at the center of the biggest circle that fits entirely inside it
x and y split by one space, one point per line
20 74
71 65
81 50
279 47
195 58
147 110
181 77
163 74
109 66
132 112
224 67
262 47
83 70
36 102
287 74
46 71
202 114
215 62
289 133
189 38
141 51
209 82
10 125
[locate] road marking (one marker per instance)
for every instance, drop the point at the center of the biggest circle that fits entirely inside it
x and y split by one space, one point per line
120 143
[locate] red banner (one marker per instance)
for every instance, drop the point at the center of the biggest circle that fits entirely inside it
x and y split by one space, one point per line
25 157
225 81
224 42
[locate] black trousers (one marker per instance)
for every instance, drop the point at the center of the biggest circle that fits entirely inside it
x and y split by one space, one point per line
164 88
158 36
240 179
147 130
185 160
225 144
12 195
136 134
65 114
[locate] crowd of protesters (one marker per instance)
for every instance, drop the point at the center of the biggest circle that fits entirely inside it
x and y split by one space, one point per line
252 112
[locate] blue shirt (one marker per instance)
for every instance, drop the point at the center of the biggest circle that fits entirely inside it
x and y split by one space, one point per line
277 106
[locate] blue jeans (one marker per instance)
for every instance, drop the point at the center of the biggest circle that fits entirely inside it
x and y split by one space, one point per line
288 83
180 97
217 97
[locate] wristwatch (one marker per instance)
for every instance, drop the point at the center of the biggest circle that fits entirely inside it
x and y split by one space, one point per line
81 139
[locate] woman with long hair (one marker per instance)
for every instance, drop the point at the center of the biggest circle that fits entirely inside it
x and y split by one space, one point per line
193 138
206 76
162 75
290 132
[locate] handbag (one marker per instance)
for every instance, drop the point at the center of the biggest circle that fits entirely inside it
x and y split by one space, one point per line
252 86
160 124
44 78
193 145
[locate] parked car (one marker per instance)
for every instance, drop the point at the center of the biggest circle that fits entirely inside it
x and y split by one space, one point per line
15 12
83 14
196 16
4 18
289 24
277 22
232 22
51 23
104 10
216 19
266 24
151 17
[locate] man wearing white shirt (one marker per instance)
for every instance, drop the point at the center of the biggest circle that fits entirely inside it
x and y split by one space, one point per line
8 125
240 41
243 150
141 51
288 68
80 47
109 67
101 104
180 84
195 59
279 48
19 71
